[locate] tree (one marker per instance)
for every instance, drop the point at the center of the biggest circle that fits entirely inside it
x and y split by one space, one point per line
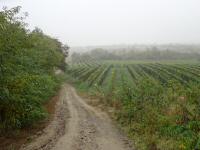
27 67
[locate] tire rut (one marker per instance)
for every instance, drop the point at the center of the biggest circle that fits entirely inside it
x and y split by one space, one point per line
84 128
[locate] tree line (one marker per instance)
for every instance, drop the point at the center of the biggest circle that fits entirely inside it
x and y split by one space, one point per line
150 54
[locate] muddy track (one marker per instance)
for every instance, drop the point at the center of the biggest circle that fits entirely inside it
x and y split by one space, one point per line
79 126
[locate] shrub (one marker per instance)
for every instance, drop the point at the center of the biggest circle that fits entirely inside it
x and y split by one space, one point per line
27 81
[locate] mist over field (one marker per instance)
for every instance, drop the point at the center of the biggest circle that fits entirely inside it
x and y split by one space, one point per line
141 47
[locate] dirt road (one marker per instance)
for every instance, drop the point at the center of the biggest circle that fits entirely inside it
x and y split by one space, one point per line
79 126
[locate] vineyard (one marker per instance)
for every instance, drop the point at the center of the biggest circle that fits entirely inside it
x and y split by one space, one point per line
99 74
156 104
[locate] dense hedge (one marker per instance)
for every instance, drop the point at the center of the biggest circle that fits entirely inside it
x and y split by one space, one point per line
27 63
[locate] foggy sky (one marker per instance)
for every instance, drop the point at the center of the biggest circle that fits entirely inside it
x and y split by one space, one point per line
106 22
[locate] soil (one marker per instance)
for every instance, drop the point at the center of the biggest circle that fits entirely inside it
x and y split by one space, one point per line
14 140
78 126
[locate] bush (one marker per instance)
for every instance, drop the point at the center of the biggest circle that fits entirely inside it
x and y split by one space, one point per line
27 81
160 117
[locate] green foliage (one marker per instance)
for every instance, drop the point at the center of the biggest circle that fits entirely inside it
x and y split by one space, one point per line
156 104
28 61
156 115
